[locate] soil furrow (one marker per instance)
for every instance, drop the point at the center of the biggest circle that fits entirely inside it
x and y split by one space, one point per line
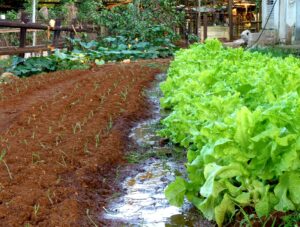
58 170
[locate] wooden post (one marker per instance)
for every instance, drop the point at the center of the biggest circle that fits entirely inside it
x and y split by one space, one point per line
205 24
199 20
72 34
186 32
238 24
22 39
56 34
230 4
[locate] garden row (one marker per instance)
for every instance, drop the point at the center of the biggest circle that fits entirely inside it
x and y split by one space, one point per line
86 54
238 115
62 136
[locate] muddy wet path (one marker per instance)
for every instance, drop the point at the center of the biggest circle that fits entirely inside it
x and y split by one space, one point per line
155 165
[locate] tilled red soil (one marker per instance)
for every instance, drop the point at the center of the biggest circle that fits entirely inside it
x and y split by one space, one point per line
62 135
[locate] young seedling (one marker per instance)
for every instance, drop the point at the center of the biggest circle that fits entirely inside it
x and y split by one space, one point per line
33 135
91 114
13 134
49 195
36 158
29 120
108 91
58 180
109 125
97 139
36 209
124 94
75 102
86 149
85 120
3 153
50 130
43 146
102 98
90 218
76 127
96 86
58 139
63 160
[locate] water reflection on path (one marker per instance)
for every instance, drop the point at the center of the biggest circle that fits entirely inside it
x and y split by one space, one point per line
144 203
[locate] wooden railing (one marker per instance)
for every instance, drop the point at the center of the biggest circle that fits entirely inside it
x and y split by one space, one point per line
24 25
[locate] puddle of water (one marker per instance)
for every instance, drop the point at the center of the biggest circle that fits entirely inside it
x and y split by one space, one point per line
144 202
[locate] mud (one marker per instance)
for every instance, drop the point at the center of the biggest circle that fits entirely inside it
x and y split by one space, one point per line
63 136
142 201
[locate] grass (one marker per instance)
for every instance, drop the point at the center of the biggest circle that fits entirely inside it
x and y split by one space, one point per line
292 220
277 51
4 63
156 65
137 157
251 219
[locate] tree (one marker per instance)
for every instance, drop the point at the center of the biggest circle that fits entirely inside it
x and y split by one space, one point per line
143 19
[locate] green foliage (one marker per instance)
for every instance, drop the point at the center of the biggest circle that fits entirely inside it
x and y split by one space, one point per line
4 63
11 15
84 53
143 19
22 67
277 51
119 48
238 115
292 220
88 11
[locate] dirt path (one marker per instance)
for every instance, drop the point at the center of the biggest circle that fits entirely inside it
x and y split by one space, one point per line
64 134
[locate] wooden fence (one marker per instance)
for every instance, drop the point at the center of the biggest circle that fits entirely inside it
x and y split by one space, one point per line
24 25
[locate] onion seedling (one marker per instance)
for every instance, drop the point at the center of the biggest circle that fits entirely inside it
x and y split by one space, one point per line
124 94
36 209
97 139
3 153
76 127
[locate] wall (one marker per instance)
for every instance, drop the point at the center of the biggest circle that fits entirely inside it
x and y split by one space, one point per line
290 21
297 36
220 32
283 20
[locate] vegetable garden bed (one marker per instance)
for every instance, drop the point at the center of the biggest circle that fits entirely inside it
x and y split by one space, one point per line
62 135
237 113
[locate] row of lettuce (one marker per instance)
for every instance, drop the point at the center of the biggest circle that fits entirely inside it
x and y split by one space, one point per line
85 54
238 115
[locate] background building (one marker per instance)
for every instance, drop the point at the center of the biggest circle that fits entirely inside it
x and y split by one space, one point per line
281 20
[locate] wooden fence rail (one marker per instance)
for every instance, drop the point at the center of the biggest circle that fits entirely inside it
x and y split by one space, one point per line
24 25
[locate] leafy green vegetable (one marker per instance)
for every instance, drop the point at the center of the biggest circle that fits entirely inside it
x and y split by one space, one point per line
84 53
238 115
175 192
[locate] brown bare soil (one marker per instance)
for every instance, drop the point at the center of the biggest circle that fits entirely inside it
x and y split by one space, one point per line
62 136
